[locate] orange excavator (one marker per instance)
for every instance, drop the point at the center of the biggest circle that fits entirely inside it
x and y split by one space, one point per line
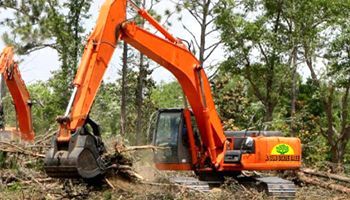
10 73
193 138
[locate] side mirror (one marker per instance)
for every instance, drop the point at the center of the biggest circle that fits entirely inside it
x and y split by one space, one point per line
249 145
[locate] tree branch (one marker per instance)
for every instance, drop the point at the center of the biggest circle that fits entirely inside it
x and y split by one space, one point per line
249 78
213 45
193 36
264 54
212 50
212 31
196 17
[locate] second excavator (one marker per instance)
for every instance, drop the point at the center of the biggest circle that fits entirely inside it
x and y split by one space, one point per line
9 72
193 137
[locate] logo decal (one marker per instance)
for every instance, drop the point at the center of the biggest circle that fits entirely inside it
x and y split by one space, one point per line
282 152
282 149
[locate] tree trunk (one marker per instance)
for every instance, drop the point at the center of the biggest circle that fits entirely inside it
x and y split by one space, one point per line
139 100
270 101
124 90
293 66
269 108
203 32
139 92
336 155
338 151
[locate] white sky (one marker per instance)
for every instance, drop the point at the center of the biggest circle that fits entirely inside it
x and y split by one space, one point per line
38 65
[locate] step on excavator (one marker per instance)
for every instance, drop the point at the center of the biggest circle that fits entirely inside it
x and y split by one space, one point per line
10 74
193 138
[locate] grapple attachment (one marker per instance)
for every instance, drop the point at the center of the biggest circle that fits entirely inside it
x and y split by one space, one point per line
80 157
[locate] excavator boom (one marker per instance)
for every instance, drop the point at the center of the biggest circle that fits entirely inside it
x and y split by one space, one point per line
20 95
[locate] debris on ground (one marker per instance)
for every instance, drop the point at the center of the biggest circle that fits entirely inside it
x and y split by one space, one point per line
131 175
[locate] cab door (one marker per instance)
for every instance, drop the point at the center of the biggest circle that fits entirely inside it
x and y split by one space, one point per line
170 136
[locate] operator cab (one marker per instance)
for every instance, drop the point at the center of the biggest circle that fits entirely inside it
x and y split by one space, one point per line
170 135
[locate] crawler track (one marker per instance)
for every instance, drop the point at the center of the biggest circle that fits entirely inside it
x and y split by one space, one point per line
278 187
274 186
195 184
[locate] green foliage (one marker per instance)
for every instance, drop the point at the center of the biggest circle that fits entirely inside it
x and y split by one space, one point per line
105 109
234 103
8 161
17 186
9 111
256 50
167 95
47 106
260 37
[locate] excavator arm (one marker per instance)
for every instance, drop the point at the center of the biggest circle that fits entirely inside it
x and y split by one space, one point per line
20 95
192 78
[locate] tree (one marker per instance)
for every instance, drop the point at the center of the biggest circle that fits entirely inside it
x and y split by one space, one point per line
234 105
315 19
131 106
124 90
203 12
256 50
290 14
143 75
337 90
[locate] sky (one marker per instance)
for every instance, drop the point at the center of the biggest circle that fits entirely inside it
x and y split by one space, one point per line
39 65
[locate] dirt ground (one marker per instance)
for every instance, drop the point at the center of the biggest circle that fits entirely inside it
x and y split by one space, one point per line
139 191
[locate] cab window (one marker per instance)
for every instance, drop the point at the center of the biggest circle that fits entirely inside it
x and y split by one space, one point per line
168 129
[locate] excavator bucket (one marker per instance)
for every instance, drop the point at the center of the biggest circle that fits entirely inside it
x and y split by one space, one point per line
80 157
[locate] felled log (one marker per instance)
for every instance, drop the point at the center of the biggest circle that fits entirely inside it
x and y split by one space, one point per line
16 149
321 183
127 171
326 175
136 148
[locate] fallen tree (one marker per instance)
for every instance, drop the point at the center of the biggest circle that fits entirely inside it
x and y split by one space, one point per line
313 177
326 175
